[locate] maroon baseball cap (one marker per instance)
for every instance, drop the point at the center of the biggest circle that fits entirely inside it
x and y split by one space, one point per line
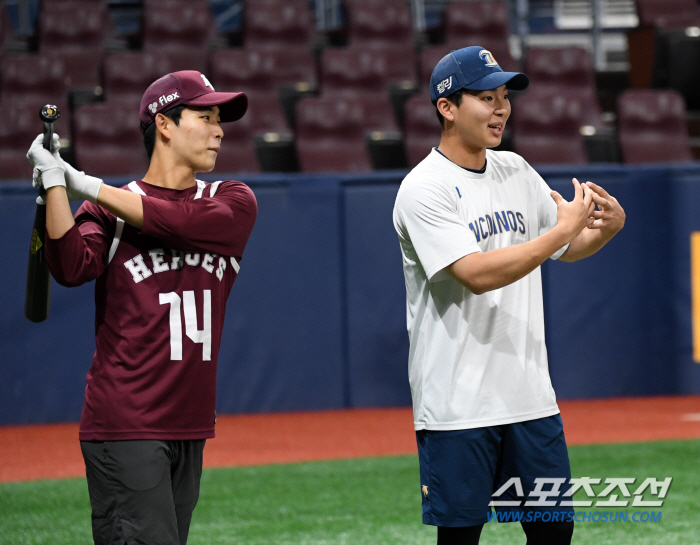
193 89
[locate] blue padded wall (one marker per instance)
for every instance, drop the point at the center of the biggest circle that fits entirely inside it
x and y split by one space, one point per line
316 319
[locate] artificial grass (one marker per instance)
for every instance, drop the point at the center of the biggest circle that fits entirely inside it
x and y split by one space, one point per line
369 501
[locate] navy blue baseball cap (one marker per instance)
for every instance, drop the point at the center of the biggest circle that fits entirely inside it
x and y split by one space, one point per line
471 68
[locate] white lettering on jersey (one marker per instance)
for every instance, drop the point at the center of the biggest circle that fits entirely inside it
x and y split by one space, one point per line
173 299
203 335
208 263
157 258
178 260
221 269
138 268
211 262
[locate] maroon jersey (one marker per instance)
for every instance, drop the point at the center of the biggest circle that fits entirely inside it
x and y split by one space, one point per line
160 299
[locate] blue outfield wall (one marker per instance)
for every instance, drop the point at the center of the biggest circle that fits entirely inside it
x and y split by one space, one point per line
316 319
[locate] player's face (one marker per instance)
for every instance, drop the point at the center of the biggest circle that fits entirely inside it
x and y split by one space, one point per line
481 117
197 139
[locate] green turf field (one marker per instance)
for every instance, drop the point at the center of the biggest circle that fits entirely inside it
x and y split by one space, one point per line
371 501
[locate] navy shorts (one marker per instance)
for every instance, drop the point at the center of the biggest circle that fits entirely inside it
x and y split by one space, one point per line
460 470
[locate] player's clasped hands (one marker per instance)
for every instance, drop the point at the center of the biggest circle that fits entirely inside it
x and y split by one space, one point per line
576 214
51 170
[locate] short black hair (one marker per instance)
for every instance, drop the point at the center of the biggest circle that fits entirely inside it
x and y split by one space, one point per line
456 99
149 135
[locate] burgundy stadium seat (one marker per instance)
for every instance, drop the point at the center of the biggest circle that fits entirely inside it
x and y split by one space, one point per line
108 141
469 23
73 25
33 79
652 126
17 131
264 115
422 128
331 132
668 14
82 67
177 25
366 68
568 69
277 22
546 129
127 75
387 22
261 69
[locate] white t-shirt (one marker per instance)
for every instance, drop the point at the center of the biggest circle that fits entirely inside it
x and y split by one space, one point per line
475 360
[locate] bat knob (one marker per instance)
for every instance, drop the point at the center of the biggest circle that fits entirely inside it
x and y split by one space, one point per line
49 113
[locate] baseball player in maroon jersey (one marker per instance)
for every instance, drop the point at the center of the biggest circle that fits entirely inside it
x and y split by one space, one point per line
164 251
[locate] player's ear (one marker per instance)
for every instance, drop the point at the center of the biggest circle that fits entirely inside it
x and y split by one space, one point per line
162 124
444 106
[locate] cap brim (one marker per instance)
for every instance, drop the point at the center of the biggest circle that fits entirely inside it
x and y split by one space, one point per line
232 106
516 81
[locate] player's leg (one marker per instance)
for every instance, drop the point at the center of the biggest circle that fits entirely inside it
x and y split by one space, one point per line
186 475
537 449
457 471
130 492
548 533
468 535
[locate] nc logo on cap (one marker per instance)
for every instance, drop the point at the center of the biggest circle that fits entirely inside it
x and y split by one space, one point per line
153 107
487 56
444 85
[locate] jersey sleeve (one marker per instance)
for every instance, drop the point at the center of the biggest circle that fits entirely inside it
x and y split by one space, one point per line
426 217
221 224
546 208
80 255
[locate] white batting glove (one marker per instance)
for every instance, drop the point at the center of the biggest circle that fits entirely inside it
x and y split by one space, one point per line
48 170
79 186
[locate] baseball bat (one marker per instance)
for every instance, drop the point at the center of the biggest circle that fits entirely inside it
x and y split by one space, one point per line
36 300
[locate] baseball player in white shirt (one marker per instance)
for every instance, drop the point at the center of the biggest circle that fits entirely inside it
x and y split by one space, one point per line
474 227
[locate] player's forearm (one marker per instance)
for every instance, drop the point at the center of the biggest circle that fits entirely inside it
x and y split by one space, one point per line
482 272
59 216
586 243
123 204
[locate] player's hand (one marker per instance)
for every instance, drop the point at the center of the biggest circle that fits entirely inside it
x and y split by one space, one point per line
48 167
610 216
574 216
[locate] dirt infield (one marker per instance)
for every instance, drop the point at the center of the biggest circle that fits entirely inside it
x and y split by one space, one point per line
53 451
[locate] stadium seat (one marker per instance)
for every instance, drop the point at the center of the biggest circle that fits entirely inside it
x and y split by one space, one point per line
422 128
127 75
262 69
108 141
568 69
652 126
177 25
366 68
277 22
264 117
73 25
470 23
83 68
33 79
546 128
668 14
387 22
332 132
17 131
